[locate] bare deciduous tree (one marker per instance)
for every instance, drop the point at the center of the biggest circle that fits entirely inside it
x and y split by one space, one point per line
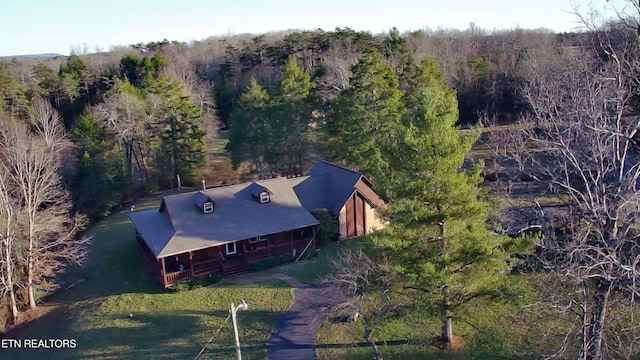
367 286
580 140
129 118
31 160
7 241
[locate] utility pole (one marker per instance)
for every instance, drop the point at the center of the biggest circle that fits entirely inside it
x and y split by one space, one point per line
234 309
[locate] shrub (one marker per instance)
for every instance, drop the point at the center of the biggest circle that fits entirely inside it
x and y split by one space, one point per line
273 261
214 278
310 254
328 227
196 284
177 287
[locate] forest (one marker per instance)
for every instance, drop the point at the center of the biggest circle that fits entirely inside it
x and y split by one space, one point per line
468 135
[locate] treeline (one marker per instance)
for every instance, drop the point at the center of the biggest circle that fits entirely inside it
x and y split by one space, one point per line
133 127
114 97
485 69
123 124
76 143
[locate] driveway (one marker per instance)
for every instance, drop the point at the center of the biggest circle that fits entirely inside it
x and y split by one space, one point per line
294 335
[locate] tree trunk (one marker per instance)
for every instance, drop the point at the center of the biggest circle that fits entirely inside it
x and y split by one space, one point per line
31 260
595 331
144 164
447 329
128 155
584 314
8 281
30 287
259 169
377 355
447 322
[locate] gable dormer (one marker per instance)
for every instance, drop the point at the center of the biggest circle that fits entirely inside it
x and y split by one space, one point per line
204 202
260 193
207 207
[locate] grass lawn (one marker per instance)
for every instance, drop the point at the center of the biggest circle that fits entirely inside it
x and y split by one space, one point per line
489 330
114 283
312 271
219 145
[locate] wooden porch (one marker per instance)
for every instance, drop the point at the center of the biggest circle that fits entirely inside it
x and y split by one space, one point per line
227 259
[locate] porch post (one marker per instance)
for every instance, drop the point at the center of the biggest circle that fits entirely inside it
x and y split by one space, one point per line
220 257
164 273
191 263
314 236
269 246
244 251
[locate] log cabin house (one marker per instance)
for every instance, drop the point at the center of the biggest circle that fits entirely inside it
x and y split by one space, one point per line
223 230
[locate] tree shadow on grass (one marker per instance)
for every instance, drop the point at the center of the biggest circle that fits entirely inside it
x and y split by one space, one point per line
177 335
119 272
268 283
432 349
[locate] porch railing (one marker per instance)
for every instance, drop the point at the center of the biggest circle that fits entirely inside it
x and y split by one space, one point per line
205 266
211 265
287 248
258 253
177 276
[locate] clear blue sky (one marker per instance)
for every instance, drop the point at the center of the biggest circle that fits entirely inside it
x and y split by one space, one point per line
48 26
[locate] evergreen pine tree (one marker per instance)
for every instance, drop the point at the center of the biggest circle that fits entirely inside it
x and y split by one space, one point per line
182 146
290 117
438 238
249 134
366 117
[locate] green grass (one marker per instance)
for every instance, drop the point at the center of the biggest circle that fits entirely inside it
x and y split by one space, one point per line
489 329
219 145
312 271
114 284
164 325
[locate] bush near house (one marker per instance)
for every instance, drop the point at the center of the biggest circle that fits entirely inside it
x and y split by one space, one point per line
328 227
268 263
195 284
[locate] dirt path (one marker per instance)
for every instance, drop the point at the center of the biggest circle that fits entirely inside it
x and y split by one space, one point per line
294 335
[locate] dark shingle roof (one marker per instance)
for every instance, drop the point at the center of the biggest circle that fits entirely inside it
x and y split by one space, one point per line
312 192
237 214
257 189
200 198
341 183
154 227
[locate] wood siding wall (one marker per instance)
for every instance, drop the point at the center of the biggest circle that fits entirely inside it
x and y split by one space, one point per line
201 263
355 216
359 213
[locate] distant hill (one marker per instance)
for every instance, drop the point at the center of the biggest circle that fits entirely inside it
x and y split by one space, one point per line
30 57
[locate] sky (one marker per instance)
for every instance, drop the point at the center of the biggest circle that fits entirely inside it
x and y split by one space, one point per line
55 26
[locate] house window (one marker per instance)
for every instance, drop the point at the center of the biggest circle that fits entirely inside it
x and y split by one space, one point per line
231 248
264 197
207 207
257 239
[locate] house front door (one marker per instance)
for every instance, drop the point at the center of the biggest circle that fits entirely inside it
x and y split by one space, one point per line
231 248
